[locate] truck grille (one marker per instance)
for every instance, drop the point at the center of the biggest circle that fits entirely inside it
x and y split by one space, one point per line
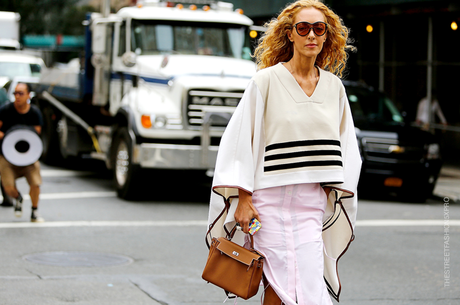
199 102
390 151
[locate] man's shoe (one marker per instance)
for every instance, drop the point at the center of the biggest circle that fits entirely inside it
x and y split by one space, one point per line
18 206
6 203
34 217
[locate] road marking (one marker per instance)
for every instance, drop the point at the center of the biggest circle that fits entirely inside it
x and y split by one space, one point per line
62 173
74 195
53 224
203 223
406 222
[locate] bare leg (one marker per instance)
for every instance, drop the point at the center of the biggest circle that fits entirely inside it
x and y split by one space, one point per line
34 195
11 191
6 198
270 297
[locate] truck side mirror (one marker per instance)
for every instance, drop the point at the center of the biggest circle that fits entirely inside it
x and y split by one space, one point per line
99 38
129 59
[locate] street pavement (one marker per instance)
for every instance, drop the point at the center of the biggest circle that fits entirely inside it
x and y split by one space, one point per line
448 185
154 250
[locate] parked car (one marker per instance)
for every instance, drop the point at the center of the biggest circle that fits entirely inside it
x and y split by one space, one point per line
396 157
14 64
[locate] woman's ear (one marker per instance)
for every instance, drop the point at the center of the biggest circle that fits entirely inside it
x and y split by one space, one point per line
289 35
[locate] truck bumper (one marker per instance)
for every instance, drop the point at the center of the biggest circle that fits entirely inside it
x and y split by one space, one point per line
167 156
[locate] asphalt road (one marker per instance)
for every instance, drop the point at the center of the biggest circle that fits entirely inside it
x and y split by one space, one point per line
96 249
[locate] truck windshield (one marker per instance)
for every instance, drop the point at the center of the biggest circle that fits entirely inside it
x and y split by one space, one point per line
372 107
151 37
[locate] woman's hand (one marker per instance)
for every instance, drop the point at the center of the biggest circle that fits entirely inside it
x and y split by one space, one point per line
327 190
245 211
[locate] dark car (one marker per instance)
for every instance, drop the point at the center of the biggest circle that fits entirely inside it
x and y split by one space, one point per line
396 157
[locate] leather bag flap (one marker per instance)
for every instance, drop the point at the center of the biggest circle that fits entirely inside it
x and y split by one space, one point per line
237 252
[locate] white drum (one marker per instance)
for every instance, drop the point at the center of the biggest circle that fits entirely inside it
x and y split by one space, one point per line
22 145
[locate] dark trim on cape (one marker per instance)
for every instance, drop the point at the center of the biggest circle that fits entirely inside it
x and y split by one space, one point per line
339 201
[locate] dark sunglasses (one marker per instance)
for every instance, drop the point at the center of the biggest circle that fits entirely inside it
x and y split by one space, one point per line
18 93
303 28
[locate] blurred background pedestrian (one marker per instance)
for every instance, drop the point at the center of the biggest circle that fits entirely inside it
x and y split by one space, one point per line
21 112
427 110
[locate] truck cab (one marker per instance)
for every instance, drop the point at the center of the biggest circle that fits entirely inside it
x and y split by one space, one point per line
157 85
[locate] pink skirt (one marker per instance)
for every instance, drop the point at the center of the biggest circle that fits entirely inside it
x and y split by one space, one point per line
291 240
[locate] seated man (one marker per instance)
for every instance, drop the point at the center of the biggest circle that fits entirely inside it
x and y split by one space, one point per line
21 112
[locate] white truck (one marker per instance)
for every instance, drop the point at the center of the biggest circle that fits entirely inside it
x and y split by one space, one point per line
9 33
154 90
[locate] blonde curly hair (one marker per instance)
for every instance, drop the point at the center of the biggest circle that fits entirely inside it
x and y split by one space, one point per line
274 46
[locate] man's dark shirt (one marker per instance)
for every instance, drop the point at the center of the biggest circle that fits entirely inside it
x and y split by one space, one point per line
10 117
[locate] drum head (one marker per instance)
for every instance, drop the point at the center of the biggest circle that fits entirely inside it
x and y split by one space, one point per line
22 146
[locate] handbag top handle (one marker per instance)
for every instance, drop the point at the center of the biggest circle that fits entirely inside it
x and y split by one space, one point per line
230 233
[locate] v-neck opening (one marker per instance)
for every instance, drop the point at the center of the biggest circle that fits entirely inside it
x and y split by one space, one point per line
294 89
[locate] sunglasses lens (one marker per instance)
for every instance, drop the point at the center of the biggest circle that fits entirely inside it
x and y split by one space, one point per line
303 28
319 28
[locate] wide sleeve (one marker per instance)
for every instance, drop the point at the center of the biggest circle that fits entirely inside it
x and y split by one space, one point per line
237 158
351 159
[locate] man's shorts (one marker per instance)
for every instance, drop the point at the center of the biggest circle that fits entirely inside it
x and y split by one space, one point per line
9 173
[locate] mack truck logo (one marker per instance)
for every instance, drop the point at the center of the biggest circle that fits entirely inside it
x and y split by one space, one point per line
216 101
200 101
215 98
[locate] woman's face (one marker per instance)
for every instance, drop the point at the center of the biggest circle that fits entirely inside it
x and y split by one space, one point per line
311 44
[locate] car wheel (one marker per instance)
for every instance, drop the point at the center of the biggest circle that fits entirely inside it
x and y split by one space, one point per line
418 195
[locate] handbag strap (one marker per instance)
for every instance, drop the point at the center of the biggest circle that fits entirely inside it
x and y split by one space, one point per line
225 209
233 231
230 233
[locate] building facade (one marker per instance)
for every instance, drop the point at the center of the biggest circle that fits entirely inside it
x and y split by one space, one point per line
406 48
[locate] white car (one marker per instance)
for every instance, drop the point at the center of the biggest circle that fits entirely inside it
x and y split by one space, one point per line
14 64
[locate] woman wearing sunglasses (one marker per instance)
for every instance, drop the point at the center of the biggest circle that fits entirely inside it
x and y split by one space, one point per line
289 156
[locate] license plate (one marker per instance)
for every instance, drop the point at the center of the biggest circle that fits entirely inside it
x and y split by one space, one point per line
393 182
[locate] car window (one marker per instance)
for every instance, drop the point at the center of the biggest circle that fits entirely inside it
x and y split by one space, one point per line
35 69
7 85
12 69
371 106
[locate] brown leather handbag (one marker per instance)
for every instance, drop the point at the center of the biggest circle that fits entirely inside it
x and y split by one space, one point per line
235 269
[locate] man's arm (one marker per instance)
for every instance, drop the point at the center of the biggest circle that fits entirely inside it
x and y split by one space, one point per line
38 129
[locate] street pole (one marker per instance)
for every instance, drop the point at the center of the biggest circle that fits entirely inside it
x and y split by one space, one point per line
382 58
429 71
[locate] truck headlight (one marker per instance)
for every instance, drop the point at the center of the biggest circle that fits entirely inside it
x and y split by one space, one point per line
160 122
433 151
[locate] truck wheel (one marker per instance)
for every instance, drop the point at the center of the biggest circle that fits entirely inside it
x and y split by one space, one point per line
124 171
63 136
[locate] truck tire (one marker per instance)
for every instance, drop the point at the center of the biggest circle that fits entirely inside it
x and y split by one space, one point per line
125 173
63 136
